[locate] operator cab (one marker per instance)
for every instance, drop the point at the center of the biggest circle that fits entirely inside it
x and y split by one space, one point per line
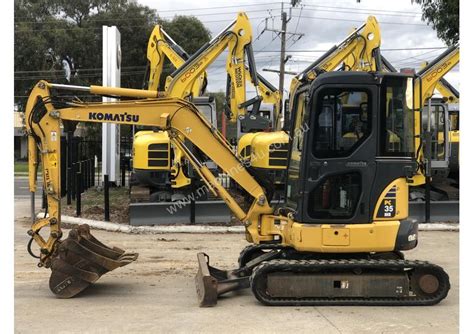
352 136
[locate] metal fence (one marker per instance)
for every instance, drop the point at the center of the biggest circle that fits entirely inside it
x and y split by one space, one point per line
80 167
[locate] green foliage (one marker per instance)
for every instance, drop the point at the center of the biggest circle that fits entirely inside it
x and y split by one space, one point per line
188 32
443 15
46 31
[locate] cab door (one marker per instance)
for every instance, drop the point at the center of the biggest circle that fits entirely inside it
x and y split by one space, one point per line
340 154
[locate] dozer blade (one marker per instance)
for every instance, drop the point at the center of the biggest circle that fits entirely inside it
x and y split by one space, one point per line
81 260
212 282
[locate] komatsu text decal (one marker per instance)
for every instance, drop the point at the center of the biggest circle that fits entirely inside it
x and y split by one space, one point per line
114 117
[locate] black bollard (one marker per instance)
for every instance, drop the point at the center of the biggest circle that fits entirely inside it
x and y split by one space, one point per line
91 171
78 194
123 176
69 185
106 198
73 181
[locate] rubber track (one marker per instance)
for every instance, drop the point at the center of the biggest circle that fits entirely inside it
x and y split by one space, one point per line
309 266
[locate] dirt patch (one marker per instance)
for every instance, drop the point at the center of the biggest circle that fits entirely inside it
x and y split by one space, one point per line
92 205
94 210
166 240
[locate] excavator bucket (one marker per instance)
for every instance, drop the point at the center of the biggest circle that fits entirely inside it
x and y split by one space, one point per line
81 260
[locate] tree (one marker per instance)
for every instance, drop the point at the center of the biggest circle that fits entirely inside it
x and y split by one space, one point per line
188 32
48 31
443 15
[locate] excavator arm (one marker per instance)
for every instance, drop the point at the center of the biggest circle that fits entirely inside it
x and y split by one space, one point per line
161 45
237 39
357 52
429 77
176 116
448 92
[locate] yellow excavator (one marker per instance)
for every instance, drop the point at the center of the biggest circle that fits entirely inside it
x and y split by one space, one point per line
159 170
153 155
267 151
338 237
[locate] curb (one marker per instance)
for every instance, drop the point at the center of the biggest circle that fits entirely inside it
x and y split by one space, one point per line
115 227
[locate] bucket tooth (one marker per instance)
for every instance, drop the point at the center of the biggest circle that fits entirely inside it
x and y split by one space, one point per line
81 260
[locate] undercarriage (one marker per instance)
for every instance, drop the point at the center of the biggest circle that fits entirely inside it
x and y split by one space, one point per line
281 276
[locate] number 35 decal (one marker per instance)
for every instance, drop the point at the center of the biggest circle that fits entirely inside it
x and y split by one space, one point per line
388 208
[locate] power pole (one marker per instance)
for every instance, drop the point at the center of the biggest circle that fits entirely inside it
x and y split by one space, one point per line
284 21
285 18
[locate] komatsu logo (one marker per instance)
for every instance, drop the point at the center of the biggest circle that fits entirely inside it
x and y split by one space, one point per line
98 116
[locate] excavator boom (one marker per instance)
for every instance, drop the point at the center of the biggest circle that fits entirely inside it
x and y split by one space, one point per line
80 260
161 45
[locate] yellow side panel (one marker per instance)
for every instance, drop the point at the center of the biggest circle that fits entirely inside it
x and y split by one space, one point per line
141 145
268 148
245 141
375 237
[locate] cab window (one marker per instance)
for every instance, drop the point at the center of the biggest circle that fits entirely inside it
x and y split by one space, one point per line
397 125
342 122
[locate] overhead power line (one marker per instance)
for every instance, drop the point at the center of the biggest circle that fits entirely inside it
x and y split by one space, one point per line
204 8
359 13
385 50
363 8
350 20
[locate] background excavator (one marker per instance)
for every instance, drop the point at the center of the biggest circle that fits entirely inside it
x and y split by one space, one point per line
159 170
436 128
267 151
337 239
450 97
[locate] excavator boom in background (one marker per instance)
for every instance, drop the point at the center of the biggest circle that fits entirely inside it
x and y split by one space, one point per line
159 170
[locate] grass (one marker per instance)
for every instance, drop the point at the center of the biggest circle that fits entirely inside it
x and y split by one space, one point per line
21 167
